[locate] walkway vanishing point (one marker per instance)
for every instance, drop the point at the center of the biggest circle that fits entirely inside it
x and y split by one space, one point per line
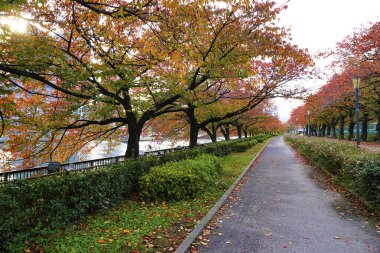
281 208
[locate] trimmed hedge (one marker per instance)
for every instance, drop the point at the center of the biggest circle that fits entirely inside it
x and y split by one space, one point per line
357 169
180 180
34 206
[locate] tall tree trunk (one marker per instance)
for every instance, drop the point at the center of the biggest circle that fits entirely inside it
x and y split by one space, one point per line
245 131
323 132
213 130
211 133
328 131
365 126
239 130
134 132
226 132
333 126
341 127
194 127
378 127
351 126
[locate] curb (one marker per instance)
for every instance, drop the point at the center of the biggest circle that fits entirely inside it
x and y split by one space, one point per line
186 244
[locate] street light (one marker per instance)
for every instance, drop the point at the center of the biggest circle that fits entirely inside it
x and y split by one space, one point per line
308 123
356 81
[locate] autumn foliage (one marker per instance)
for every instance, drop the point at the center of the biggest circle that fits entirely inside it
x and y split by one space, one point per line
333 106
89 71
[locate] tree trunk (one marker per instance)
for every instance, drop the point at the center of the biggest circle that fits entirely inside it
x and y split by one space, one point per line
211 133
378 127
333 127
351 126
324 130
134 132
365 126
315 130
194 128
213 130
226 132
341 127
245 131
239 130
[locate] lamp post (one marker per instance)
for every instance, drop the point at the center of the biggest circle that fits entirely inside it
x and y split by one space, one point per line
308 123
356 81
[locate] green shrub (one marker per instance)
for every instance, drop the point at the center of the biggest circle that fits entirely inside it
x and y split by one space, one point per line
242 147
28 207
357 169
180 180
366 179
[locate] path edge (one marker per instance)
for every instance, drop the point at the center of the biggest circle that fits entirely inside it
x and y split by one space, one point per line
190 238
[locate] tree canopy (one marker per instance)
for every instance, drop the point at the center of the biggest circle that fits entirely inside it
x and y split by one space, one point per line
87 71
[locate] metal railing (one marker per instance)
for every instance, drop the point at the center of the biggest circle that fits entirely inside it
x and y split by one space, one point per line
83 165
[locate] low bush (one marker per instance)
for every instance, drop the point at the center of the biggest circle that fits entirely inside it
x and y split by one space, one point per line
180 180
242 147
357 169
30 207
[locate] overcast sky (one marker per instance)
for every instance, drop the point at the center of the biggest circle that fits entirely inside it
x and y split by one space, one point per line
319 25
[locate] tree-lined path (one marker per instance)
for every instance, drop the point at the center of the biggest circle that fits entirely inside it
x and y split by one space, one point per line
281 209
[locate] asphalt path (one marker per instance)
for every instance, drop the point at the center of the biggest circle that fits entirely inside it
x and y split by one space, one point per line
281 208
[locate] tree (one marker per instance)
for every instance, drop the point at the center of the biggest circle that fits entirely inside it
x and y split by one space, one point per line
92 75
361 52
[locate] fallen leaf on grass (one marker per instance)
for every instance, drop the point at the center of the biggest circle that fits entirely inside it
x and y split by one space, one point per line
101 241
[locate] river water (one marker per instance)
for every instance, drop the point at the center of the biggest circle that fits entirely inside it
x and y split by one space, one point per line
118 149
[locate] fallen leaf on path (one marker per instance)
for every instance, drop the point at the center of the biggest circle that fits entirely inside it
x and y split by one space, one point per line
336 237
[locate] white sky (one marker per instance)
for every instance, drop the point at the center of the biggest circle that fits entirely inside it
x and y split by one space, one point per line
319 25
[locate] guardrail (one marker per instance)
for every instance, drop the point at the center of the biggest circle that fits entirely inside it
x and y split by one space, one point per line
83 165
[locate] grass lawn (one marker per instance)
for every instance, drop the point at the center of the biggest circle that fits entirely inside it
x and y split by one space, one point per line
136 226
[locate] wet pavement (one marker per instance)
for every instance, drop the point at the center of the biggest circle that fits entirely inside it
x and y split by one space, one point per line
281 209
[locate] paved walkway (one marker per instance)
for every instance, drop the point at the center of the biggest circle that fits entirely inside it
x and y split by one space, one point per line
281 209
